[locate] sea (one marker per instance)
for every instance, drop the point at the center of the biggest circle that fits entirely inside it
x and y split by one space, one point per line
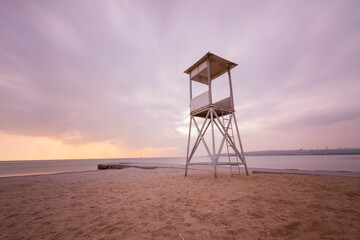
349 163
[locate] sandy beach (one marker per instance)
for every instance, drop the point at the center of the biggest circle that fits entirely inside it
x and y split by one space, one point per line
163 204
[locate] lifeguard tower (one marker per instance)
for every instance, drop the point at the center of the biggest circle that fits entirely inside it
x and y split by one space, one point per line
220 114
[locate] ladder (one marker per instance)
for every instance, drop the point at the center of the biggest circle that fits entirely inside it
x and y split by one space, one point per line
232 156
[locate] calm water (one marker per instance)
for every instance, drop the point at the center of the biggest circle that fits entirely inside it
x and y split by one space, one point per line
312 162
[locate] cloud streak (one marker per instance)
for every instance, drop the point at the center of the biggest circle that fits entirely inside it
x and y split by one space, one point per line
82 73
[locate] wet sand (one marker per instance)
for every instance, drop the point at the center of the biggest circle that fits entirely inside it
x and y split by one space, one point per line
161 203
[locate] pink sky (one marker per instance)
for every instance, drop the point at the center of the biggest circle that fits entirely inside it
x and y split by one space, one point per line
86 79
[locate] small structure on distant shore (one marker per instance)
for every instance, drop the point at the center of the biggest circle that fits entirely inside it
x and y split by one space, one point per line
220 114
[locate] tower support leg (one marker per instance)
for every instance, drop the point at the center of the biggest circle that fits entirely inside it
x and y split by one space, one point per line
213 140
188 146
241 147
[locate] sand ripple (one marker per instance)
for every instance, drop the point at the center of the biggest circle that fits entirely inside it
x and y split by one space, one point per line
162 204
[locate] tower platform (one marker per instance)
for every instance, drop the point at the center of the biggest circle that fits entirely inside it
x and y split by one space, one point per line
220 111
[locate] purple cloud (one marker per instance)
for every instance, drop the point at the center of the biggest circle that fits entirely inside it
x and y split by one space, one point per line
113 70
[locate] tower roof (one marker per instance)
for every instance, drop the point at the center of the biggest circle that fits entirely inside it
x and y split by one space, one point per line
218 66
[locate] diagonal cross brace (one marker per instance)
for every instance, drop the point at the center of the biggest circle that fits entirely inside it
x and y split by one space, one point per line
232 144
197 142
224 134
202 138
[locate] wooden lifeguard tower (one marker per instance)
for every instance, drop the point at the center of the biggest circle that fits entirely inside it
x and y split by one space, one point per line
220 114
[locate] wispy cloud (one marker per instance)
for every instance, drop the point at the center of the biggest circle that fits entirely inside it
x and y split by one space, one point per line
81 72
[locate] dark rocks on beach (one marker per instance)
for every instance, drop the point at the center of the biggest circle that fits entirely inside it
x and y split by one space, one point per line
121 166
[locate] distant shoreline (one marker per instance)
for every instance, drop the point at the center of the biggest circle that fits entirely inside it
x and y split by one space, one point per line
302 152
297 154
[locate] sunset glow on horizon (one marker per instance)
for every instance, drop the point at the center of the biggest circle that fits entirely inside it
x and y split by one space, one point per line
104 79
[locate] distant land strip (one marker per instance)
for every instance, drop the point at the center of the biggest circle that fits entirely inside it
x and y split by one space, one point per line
338 151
